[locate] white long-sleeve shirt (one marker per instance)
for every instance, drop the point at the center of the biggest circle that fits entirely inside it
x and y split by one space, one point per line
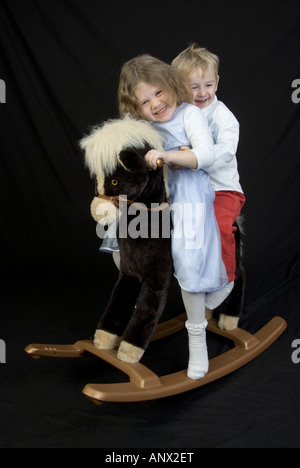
199 136
188 127
225 132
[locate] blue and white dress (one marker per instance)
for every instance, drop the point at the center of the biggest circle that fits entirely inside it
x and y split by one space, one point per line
196 243
110 242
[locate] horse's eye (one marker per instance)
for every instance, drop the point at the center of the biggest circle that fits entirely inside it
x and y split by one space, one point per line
114 182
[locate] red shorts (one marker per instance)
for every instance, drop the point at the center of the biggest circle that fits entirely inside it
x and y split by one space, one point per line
228 206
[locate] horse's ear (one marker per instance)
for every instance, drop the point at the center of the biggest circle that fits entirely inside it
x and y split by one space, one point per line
133 159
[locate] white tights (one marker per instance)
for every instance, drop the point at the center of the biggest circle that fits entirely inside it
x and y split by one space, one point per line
116 258
196 326
213 300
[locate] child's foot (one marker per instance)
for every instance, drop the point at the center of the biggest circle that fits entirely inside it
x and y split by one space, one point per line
198 360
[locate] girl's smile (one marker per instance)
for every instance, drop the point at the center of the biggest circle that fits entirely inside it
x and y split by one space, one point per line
155 104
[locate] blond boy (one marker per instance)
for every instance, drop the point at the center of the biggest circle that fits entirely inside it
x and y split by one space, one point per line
201 69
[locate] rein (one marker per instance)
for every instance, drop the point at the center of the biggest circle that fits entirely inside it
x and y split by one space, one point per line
119 199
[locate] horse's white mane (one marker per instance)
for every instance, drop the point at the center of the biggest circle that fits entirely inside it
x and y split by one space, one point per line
103 146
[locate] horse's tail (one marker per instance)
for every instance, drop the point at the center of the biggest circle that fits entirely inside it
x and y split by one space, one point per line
239 234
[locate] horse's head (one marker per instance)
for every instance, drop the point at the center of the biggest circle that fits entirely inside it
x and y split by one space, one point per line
114 153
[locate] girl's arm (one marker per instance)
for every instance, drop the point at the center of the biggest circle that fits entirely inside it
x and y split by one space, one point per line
200 137
184 158
200 156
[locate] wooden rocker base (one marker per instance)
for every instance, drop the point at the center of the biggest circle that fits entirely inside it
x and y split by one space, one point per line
146 385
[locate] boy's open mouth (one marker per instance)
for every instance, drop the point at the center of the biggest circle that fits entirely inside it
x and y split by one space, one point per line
201 101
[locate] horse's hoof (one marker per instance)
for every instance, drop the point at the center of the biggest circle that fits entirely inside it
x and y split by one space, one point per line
129 353
227 322
105 340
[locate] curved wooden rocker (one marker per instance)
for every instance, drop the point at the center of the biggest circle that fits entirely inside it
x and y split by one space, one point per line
146 385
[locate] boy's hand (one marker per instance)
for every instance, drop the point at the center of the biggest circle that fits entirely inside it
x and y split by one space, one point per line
184 148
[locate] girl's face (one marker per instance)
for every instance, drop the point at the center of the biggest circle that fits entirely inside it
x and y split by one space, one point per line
204 86
155 104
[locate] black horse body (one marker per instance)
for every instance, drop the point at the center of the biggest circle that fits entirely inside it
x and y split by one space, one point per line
139 296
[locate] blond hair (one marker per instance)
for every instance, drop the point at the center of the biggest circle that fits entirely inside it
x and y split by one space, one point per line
195 56
151 70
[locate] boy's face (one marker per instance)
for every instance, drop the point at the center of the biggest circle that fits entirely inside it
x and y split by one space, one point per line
203 85
155 104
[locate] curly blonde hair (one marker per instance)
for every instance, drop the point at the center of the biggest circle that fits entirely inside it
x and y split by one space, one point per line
148 69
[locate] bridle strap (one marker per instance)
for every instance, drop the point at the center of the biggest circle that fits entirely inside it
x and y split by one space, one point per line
119 199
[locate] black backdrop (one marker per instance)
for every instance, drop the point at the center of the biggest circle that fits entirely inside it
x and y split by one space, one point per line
60 61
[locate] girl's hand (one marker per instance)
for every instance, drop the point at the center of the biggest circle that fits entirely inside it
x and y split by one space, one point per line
152 156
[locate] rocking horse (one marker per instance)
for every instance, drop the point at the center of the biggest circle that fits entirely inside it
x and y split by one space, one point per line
114 153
